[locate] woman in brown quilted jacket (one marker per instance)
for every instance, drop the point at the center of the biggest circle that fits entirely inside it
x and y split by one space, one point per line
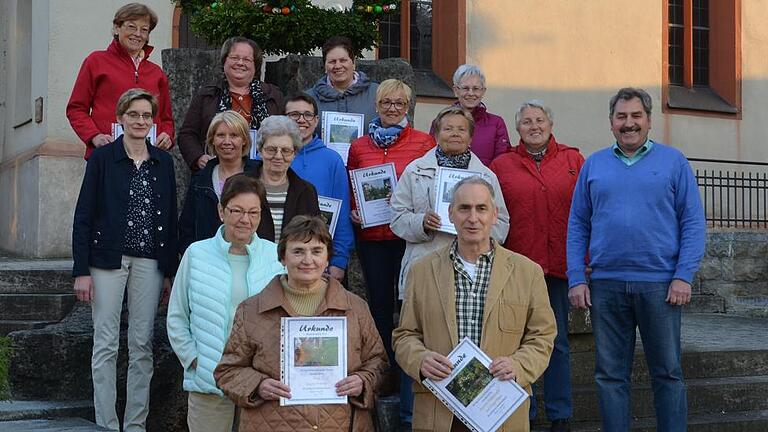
249 370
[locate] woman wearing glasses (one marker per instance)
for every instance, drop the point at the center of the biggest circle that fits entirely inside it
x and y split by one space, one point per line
215 275
240 91
390 139
288 195
124 233
106 75
491 138
229 140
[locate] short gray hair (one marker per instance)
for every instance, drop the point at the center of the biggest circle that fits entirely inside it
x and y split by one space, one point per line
629 93
473 180
466 70
451 110
533 103
275 126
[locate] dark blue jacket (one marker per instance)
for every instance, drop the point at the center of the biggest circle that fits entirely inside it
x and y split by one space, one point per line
199 218
98 231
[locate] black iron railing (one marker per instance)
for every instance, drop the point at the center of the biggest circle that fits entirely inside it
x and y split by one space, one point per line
734 193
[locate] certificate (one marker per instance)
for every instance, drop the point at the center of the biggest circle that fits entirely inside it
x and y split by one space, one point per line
373 187
474 396
445 180
313 359
254 151
117 130
329 211
340 129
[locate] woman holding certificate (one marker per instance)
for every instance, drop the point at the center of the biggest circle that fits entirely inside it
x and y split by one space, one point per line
229 141
105 75
390 139
215 275
250 370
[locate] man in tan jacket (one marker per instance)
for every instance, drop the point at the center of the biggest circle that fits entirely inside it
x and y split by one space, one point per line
477 289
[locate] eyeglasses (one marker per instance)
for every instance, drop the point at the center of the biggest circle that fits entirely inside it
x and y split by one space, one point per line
238 213
134 116
273 151
133 29
238 59
467 89
295 115
387 104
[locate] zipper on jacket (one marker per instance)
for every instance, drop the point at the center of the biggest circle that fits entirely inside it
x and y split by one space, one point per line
136 75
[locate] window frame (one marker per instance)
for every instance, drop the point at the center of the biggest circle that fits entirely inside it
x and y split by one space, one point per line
722 97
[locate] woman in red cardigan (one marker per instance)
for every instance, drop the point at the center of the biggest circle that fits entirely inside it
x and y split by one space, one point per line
105 75
390 139
537 178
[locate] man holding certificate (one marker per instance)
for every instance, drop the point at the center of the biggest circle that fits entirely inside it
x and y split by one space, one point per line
474 289
324 374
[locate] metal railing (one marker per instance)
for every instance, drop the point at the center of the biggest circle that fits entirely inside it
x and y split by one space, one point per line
733 197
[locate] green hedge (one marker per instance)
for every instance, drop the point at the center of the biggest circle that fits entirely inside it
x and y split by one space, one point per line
5 362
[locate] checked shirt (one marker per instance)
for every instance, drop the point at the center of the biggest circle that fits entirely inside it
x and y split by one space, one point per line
470 295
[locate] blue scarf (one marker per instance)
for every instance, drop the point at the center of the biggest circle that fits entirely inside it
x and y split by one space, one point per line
384 137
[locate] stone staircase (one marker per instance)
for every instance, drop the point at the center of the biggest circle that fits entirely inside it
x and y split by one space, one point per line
725 363
34 293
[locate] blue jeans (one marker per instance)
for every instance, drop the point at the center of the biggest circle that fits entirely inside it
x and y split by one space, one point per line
618 308
557 377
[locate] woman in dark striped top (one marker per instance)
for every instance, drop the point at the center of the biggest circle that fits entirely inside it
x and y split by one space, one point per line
288 194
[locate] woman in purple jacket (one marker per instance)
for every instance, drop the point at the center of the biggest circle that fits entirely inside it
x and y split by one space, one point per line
490 138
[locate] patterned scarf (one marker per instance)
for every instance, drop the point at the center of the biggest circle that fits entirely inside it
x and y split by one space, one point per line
460 160
258 103
384 137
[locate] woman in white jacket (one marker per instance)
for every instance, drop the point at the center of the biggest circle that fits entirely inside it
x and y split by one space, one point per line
215 275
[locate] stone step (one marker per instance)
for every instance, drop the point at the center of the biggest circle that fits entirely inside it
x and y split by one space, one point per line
706 303
7 326
737 421
51 425
36 307
35 276
705 396
30 410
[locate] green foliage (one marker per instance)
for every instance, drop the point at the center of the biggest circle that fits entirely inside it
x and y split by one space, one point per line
303 28
5 363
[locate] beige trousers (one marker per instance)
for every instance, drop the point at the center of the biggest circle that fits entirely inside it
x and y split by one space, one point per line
144 284
209 413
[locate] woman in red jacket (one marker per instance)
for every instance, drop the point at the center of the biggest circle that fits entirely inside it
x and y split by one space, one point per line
105 75
537 179
390 139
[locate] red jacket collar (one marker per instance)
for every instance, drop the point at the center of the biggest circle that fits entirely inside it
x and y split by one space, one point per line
117 48
551 147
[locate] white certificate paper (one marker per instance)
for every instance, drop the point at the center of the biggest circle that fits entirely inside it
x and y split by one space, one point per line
117 130
373 188
314 359
474 396
254 151
329 211
445 180
340 129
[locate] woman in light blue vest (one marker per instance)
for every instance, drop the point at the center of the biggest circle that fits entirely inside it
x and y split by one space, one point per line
215 275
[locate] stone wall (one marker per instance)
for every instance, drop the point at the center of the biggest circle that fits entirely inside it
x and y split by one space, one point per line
735 269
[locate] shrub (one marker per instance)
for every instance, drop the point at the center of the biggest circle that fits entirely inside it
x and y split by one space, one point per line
298 28
5 362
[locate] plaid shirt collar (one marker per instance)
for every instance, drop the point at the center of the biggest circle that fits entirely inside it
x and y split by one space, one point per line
471 294
456 259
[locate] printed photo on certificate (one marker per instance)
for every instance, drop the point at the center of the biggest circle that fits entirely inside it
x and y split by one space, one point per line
474 396
373 187
329 211
445 179
340 129
117 130
313 359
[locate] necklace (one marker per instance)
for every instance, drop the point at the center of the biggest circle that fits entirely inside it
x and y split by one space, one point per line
137 159
537 156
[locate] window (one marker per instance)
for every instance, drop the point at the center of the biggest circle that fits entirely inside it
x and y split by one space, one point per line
702 56
408 34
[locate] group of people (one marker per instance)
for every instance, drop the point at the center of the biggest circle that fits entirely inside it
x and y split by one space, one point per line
538 230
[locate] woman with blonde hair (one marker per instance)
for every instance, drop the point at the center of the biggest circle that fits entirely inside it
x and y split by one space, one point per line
229 142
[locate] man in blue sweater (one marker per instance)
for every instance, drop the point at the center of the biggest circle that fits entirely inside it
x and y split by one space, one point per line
637 215
324 168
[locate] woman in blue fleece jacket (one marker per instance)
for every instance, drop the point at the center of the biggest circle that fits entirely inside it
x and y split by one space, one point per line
324 168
